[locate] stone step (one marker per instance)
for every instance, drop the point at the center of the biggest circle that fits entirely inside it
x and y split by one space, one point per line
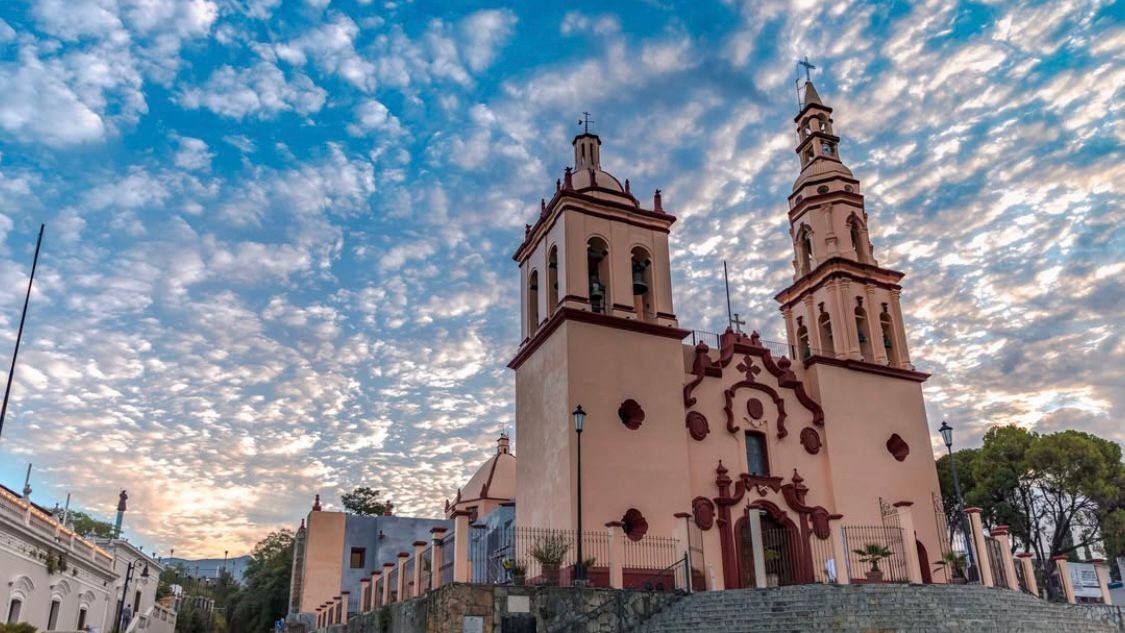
871 609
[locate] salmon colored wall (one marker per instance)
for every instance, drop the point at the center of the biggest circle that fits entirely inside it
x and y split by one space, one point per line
543 430
862 411
323 563
647 468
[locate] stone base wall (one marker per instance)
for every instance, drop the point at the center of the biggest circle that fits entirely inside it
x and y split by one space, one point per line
447 609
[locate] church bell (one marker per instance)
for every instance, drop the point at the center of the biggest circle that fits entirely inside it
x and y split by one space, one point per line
597 295
640 286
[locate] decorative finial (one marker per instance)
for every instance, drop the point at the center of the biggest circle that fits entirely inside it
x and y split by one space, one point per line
657 203
542 206
627 187
585 122
808 67
316 504
121 499
558 185
567 184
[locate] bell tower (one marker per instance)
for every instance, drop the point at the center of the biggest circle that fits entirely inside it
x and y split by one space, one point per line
598 330
842 304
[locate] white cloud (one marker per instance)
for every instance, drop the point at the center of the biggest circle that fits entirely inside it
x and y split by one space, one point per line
261 90
372 116
193 154
332 47
484 33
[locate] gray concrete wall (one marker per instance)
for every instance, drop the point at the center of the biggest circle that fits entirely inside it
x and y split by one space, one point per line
382 538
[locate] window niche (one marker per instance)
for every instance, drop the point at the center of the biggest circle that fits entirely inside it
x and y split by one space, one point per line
641 266
532 302
358 558
552 280
757 457
597 268
888 332
865 349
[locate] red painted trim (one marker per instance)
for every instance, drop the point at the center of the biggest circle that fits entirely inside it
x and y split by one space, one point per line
1059 557
870 368
810 106
420 543
1024 555
461 513
682 515
403 555
902 504
863 275
388 565
615 524
584 316
437 530
972 510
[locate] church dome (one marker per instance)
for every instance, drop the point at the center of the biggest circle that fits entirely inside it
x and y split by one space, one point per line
819 168
586 178
495 479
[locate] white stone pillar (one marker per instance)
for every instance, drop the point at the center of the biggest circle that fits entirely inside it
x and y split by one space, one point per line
840 552
1028 572
402 558
874 329
387 567
437 556
1001 535
364 594
900 330
983 563
754 519
345 599
1064 578
1103 579
419 549
616 554
461 546
909 536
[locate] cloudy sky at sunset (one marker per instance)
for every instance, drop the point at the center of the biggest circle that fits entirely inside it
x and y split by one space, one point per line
279 234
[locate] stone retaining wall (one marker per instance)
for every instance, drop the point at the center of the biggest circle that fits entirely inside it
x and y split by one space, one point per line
446 610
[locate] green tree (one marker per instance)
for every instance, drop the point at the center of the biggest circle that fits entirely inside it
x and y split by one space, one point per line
364 501
966 459
264 598
87 526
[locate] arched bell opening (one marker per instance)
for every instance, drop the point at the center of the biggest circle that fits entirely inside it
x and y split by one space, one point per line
804 251
888 332
803 348
552 280
865 349
597 268
532 302
824 323
860 245
640 264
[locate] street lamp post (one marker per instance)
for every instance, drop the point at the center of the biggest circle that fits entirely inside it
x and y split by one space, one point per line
125 592
579 422
947 436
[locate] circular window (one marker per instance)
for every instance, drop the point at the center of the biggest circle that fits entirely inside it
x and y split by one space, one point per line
634 524
822 189
849 188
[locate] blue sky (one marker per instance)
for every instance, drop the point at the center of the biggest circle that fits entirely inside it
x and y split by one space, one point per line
279 234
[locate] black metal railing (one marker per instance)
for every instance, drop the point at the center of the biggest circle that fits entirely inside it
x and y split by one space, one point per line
777 349
886 542
996 561
447 556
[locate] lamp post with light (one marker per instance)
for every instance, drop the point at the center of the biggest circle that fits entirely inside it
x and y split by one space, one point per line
125 592
579 422
947 436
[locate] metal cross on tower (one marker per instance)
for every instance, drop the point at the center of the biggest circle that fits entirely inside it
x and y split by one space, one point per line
808 67
585 122
738 323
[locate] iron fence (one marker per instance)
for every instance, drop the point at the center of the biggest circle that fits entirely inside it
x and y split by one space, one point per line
427 569
447 555
996 561
825 567
777 349
885 543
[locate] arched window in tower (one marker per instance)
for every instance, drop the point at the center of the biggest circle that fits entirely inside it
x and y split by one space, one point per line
804 251
825 324
888 337
597 269
803 349
861 329
641 265
829 149
859 239
532 302
552 280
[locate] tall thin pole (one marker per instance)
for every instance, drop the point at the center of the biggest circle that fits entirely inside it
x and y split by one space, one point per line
19 334
961 509
726 282
580 568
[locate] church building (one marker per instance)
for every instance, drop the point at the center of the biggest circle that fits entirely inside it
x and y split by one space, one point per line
691 440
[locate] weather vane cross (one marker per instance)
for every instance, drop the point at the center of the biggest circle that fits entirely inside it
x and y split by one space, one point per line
585 122
808 67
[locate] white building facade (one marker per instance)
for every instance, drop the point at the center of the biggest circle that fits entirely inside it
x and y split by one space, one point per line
50 577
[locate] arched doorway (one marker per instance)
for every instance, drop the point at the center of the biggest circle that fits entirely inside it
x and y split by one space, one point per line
924 563
786 561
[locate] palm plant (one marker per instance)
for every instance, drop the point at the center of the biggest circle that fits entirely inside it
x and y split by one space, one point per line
873 553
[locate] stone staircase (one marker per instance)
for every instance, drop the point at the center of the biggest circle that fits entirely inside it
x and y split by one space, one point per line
878 609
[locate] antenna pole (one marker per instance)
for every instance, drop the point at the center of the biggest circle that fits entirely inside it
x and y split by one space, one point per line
19 334
726 282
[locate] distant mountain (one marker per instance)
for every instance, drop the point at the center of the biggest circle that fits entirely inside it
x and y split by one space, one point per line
209 567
